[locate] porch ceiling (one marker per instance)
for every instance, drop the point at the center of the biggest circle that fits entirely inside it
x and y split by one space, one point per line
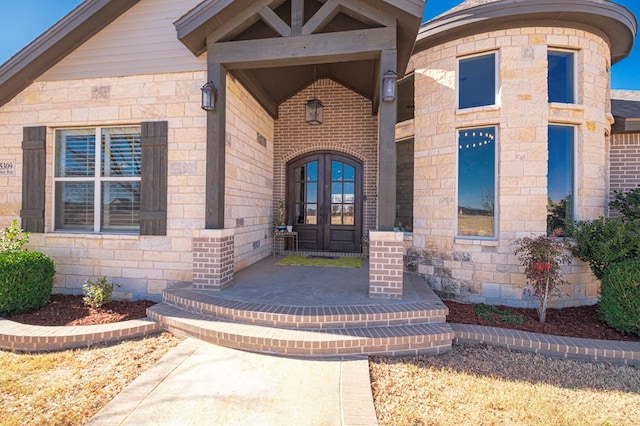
277 48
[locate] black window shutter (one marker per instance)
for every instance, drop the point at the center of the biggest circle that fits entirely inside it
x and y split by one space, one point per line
153 185
34 166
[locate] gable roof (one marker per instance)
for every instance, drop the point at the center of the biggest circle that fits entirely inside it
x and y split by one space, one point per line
79 25
324 27
476 16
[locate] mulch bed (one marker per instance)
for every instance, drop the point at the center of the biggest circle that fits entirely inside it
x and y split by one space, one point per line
572 322
71 310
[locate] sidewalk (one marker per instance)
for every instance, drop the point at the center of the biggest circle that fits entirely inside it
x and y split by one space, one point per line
198 383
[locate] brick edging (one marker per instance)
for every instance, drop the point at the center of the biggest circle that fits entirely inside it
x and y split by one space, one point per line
15 336
612 351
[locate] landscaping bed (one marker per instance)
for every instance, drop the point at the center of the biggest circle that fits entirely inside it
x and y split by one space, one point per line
71 310
580 321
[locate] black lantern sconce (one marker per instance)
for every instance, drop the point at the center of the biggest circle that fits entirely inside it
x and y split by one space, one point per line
208 97
313 111
389 80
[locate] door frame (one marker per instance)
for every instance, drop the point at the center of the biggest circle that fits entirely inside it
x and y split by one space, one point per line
324 195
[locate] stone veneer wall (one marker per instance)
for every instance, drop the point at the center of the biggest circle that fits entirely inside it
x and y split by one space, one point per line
624 162
145 265
349 127
473 270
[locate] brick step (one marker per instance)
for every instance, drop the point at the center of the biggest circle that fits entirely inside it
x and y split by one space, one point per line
392 340
311 317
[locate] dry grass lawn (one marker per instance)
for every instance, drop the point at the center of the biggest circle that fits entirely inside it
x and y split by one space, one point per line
481 385
69 387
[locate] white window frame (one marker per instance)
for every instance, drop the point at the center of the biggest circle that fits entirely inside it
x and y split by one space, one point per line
97 180
495 185
574 57
495 77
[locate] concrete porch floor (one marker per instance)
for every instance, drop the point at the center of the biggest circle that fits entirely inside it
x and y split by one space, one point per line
266 282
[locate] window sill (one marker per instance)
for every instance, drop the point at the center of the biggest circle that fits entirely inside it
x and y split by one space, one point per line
564 106
473 110
476 242
84 234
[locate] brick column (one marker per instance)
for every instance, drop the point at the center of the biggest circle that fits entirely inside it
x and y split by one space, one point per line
213 259
385 264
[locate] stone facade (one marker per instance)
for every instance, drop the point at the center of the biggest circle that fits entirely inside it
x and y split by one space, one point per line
485 270
145 265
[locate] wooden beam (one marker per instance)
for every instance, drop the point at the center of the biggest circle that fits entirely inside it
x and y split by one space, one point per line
361 11
297 17
316 48
216 138
387 149
275 22
322 17
241 22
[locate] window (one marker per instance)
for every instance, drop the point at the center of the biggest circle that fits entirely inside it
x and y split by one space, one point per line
477 182
560 171
477 81
561 78
97 185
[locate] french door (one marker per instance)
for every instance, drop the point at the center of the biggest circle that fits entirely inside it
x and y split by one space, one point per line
324 201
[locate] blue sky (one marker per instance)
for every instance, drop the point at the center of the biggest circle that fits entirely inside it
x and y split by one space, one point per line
26 19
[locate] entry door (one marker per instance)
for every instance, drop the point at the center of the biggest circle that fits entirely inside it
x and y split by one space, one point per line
324 196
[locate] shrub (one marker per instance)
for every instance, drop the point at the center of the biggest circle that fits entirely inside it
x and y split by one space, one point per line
605 241
620 297
98 292
26 281
627 203
13 238
542 258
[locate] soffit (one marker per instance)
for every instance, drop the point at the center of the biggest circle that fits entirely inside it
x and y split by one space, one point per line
615 22
264 22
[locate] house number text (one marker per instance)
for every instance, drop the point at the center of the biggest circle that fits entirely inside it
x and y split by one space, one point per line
7 168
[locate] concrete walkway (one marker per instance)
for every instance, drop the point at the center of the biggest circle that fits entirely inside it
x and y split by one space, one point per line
198 383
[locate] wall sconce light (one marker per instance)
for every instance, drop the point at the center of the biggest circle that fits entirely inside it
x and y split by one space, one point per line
208 97
389 80
313 111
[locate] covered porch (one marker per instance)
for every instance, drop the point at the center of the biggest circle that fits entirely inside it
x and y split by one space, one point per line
279 51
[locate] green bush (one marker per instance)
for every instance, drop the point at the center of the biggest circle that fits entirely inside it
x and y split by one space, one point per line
604 241
620 297
13 238
26 281
98 292
627 203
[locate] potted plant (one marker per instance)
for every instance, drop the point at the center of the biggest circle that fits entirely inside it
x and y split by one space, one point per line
280 223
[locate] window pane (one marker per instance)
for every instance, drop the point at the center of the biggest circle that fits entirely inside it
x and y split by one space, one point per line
477 81
336 192
348 214
560 78
336 214
74 205
476 182
349 172
560 177
121 152
75 152
120 206
336 171
312 171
